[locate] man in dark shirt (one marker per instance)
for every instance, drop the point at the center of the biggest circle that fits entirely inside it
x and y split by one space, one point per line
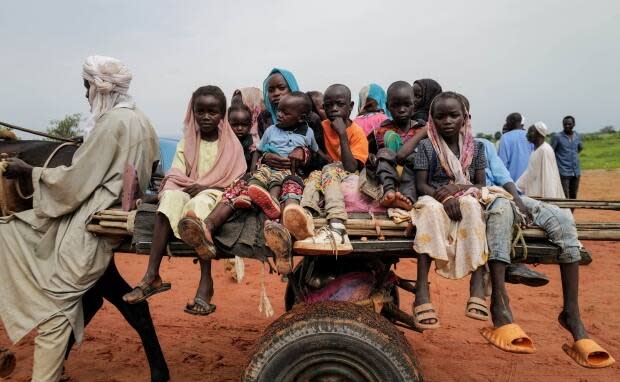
567 146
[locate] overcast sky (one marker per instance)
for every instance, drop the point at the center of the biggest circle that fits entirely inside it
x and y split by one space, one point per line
542 58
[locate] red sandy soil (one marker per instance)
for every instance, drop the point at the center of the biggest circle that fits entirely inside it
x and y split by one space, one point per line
217 347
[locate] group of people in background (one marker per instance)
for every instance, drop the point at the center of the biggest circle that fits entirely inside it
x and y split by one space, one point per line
289 156
542 169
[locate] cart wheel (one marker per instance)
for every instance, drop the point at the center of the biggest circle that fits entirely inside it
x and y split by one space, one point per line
332 341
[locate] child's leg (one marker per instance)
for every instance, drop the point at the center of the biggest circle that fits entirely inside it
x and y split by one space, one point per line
151 279
422 295
499 223
331 179
297 220
424 313
192 229
570 317
333 238
169 212
201 306
389 179
259 191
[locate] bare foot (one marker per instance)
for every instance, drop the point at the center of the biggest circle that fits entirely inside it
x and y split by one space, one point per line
393 199
388 199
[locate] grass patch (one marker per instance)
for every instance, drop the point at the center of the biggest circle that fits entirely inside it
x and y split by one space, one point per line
600 151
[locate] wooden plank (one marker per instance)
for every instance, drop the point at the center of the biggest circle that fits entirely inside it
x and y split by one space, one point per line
106 231
110 224
119 218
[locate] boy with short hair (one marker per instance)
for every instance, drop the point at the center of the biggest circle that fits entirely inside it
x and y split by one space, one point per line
347 146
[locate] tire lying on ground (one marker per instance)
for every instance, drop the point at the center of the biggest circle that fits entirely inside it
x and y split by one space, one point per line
332 341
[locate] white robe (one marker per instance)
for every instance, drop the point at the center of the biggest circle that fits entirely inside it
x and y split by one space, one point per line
542 178
47 258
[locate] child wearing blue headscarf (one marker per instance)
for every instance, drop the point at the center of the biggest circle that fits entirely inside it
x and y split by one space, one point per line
278 83
371 109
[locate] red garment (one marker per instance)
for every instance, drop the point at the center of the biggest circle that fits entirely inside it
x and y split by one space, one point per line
390 126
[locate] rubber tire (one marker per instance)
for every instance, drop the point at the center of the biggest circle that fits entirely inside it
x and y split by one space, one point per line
332 339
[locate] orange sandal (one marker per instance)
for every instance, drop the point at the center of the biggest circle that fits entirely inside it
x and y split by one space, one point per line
510 338
588 353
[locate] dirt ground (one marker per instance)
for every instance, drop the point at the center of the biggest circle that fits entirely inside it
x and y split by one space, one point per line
217 347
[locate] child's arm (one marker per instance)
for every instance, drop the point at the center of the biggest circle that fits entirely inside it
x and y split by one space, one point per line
253 161
421 183
349 163
409 146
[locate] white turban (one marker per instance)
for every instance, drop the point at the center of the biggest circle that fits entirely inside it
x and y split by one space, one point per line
109 81
541 128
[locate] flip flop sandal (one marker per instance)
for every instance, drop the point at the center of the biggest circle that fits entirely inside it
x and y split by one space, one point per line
477 309
263 199
588 353
205 308
278 239
7 362
510 338
192 232
425 312
148 291
298 222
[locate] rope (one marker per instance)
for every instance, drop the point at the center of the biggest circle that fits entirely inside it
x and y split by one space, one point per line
47 162
518 238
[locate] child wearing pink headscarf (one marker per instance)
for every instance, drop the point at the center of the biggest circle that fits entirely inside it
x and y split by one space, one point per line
208 159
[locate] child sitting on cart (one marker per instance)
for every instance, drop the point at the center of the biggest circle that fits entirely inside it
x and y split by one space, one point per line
449 171
207 159
347 148
398 187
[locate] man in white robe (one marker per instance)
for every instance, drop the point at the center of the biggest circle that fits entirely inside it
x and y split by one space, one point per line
49 259
541 178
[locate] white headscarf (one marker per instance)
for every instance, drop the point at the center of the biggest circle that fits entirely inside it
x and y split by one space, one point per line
541 128
109 81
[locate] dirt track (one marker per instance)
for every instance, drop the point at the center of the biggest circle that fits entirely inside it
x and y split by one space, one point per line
216 348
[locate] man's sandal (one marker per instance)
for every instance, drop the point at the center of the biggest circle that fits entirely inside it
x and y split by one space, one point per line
477 309
510 338
199 308
425 312
147 291
588 353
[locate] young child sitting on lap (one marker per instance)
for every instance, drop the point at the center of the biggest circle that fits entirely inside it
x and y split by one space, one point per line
347 148
290 139
208 158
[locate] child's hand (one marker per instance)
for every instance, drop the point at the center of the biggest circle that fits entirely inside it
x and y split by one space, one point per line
276 161
339 125
523 210
453 209
194 189
297 154
444 191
